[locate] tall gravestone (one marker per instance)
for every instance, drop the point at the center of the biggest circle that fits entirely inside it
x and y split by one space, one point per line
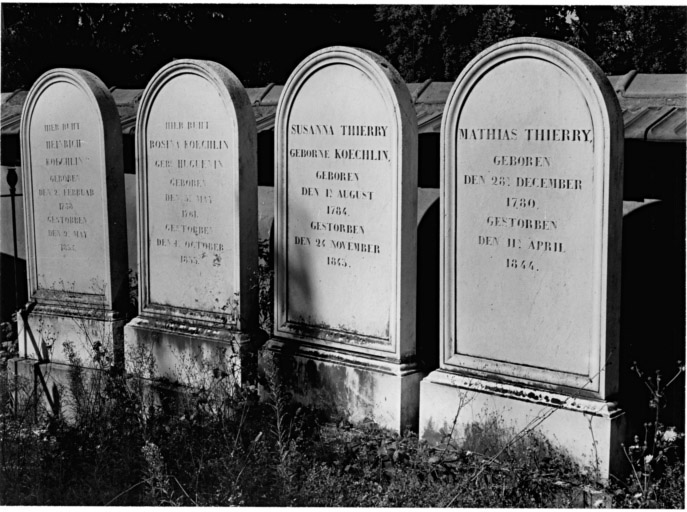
73 181
345 236
532 148
197 224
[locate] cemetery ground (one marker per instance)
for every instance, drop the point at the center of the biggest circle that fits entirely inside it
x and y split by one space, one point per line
115 443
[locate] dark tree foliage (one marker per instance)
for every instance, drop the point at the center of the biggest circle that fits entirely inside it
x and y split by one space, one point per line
125 44
428 41
621 38
437 41
120 43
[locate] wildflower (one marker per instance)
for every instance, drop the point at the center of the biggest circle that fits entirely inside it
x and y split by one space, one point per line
670 435
648 459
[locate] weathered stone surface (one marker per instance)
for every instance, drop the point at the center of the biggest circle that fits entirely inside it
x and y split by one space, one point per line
532 209
346 204
345 219
75 220
532 170
348 385
588 431
197 215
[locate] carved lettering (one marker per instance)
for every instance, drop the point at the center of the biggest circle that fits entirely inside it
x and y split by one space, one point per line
312 129
530 134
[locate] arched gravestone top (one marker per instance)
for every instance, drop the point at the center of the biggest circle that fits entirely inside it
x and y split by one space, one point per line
345 208
532 194
74 193
197 203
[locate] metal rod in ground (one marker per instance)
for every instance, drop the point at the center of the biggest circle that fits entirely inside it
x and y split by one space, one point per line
12 182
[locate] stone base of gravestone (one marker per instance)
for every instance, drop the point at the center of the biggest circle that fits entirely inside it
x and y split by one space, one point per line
188 355
344 385
589 431
49 386
88 338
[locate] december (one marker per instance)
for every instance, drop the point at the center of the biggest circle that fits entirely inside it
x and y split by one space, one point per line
556 183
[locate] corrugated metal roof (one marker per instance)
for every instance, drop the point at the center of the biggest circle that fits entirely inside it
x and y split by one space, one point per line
429 119
670 127
655 124
12 104
654 106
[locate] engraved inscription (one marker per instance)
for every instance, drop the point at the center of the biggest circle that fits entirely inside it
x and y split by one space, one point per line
70 203
191 153
509 171
191 242
339 165
65 171
526 217
341 193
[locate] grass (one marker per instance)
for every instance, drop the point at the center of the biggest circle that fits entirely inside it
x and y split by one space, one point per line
125 443
236 450
220 445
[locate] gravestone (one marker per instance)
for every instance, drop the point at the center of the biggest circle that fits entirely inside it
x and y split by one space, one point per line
73 182
197 224
345 237
532 147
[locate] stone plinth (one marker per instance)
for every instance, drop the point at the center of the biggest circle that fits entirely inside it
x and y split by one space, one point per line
589 431
351 386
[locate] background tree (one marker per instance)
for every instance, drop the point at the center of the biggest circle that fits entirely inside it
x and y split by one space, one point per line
438 41
428 41
620 38
125 44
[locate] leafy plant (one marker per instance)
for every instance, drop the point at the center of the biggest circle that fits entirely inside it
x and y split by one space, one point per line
657 458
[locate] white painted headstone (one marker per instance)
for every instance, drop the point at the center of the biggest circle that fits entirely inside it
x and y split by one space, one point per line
345 234
531 209
195 217
69 193
74 203
197 205
533 188
346 204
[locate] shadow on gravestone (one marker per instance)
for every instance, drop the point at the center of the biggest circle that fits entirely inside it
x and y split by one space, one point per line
298 270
